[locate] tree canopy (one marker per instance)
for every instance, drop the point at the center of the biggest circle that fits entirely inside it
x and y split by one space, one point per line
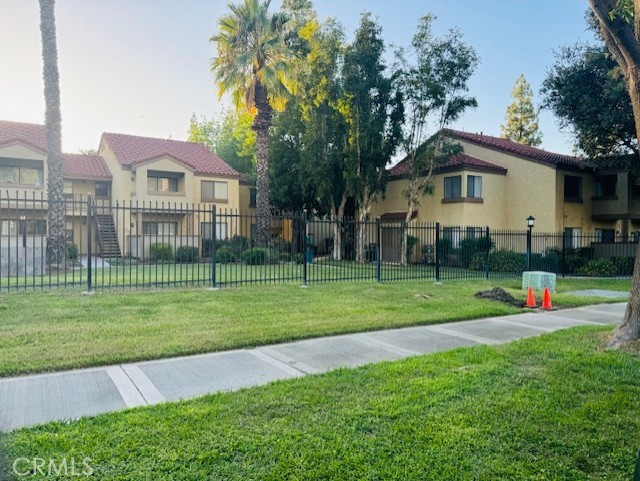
587 92
521 119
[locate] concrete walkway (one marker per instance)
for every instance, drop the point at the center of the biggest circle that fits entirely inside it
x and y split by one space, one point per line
30 400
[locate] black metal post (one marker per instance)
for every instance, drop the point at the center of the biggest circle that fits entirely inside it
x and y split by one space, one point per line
305 250
487 253
438 246
89 242
214 241
529 249
564 258
378 251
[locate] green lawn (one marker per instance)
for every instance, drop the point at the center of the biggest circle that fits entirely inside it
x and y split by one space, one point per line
63 330
556 407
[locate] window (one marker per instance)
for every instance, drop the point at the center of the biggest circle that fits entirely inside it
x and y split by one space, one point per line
68 230
159 228
103 190
572 237
572 188
605 235
453 187
606 185
214 191
221 230
252 196
451 235
21 175
474 186
15 227
163 181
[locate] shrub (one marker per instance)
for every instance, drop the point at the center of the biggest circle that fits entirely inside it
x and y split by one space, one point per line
224 255
187 254
470 246
298 258
599 268
506 261
624 265
254 257
72 252
161 252
207 247
411 244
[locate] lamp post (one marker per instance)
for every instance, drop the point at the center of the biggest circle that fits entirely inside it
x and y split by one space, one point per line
531 221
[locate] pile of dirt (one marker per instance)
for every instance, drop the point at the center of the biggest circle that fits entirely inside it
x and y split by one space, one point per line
498 294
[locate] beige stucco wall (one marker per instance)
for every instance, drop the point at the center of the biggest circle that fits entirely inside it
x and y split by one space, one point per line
466 212
529 188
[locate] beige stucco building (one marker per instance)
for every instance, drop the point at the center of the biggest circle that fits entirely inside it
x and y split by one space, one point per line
143 188
499 183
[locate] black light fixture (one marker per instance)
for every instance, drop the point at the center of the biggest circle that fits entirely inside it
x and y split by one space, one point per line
531 221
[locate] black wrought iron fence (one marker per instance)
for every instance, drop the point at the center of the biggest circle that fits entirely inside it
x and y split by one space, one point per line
128 245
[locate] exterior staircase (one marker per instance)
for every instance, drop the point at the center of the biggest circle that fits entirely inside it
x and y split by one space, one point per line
107 236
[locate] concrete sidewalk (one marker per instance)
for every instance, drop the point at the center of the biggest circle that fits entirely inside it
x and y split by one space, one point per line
29 400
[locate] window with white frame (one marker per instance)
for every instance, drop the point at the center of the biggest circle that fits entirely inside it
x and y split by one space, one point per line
212 190
474 186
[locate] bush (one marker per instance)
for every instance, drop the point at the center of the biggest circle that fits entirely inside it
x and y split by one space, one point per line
72 252
506 261
161 252
624 265
298 258
254 257
470 246
598 268
224 255
411 244
187 254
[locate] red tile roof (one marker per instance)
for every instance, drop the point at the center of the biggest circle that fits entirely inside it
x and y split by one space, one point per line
457 162
84 166
31 134
511 147
74 165
131 150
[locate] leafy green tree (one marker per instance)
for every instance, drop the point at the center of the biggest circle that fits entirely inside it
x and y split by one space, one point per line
230 137
521 118
56 241
373 111
252 64
619 26
587 92
433 81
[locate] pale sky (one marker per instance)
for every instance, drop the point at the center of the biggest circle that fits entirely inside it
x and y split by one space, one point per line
142 66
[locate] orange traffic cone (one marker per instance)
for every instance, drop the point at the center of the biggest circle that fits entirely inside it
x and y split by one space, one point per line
546 299
531 299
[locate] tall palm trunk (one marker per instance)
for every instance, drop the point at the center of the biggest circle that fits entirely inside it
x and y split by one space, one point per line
261 125
56 236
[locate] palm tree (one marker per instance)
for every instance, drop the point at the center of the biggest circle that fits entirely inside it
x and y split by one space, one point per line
56 243
252 64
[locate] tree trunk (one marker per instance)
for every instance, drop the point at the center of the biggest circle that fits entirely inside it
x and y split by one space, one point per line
405 232
623 42
261 125
629 328
56 242
338 218
361 227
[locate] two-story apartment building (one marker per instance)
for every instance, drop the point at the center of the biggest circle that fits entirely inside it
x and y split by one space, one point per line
142 188
499 183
